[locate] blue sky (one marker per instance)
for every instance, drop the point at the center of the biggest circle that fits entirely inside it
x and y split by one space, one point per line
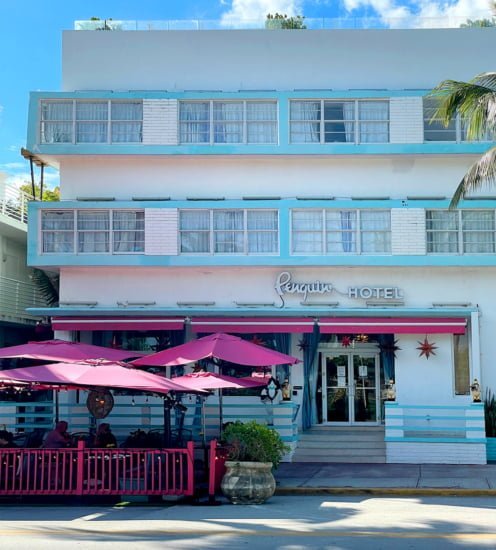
31 31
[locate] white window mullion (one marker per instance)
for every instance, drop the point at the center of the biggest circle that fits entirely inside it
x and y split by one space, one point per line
460 233
211 123
211 231
324 232
322 126
109 121
245 124
358 234
76 235
358 136
245 231
111 231
73 121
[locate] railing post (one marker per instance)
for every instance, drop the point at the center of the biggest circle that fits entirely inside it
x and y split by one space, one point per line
211 468
80 468
190 450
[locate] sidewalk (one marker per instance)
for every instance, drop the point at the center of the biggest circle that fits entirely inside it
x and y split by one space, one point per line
402 479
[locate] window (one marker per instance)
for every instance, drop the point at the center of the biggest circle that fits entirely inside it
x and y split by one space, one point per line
212 122
228 231
462 365
338 121
57 231
434 128
460 232
103 121
93 234
341 232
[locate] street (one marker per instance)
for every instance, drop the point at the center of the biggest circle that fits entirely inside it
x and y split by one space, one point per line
283 523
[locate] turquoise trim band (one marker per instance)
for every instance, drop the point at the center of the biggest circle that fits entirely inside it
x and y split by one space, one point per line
433 440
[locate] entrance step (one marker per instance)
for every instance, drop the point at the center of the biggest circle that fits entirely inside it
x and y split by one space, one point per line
351 444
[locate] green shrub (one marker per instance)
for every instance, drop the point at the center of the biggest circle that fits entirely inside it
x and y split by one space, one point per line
490 413
253 442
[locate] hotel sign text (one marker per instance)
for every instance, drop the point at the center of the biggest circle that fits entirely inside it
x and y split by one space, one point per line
285 285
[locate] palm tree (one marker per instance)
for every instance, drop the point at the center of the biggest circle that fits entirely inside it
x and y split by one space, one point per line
475 102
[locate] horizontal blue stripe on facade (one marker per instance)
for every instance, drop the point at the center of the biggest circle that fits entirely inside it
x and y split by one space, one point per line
433 440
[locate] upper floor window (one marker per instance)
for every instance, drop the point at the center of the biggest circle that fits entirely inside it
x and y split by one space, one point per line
93 231
339 121
228 122
460 231
341 232
74 121
228 231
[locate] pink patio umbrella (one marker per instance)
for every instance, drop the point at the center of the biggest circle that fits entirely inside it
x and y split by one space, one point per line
221 346
69 352
93 373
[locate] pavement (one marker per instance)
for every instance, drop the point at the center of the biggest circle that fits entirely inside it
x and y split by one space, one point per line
314 478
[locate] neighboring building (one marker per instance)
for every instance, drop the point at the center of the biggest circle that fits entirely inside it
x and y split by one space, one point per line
17 290
261 182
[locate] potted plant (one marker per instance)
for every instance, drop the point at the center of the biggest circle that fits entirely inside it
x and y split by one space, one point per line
253 451
490 418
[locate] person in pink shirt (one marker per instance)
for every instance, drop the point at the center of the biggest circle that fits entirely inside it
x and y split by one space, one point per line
58 438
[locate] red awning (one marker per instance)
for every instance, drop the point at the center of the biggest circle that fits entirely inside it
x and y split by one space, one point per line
117 323
394 325
243 325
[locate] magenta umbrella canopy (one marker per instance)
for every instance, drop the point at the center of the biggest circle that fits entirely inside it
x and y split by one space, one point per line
92 373
213 381
222 346
60 350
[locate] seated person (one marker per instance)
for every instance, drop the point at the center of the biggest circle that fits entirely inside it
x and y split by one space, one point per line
6 440
58 438
104 438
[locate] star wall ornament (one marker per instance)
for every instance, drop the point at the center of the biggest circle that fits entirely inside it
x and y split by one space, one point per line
390 348
426 348
258 341
346 341
302 344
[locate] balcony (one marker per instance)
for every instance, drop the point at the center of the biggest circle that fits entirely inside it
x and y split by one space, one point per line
14 203
15 297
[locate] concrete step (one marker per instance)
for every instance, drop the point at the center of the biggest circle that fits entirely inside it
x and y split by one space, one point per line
310 444
345 460
340 452
343 438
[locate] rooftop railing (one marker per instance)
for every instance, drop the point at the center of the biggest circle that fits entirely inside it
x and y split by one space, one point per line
407 22
14 202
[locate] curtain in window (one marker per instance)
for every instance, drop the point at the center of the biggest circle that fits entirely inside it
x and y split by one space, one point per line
374 125
91 121
128 231
478 232
305 121
228 231
262 231
261 122
307 231
56 126
281 343
127 122
349 118
310 370
194 226
58 231
228 122
375 231
341 231
93 231
194 120
442 231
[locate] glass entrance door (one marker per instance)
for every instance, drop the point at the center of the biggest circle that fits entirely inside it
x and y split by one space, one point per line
350 384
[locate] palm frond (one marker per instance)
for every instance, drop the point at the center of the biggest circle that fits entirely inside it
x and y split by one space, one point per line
480 174
47 286
475 101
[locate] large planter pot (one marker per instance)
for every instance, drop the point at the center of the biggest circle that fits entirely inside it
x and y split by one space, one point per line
248 482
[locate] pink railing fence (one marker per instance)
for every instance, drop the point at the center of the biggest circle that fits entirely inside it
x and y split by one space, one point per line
83 471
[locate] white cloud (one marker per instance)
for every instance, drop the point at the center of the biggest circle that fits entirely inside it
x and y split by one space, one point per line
447 13
255 11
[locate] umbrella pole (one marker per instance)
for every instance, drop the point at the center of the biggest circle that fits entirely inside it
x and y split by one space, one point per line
56 397
221 415
167 424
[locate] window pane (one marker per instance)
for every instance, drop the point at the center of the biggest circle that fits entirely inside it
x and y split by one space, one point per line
434 128
91 110
228 219
261 111
93 219
194 124
93 231
127 125
228 122
194 231
442 231
339 121
478 232
462 367
305 121
374 121
264 219
341 231
56 110
57 231
307 231
129 231
194 219
262 231
58 220
56 122
121 110
376 231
